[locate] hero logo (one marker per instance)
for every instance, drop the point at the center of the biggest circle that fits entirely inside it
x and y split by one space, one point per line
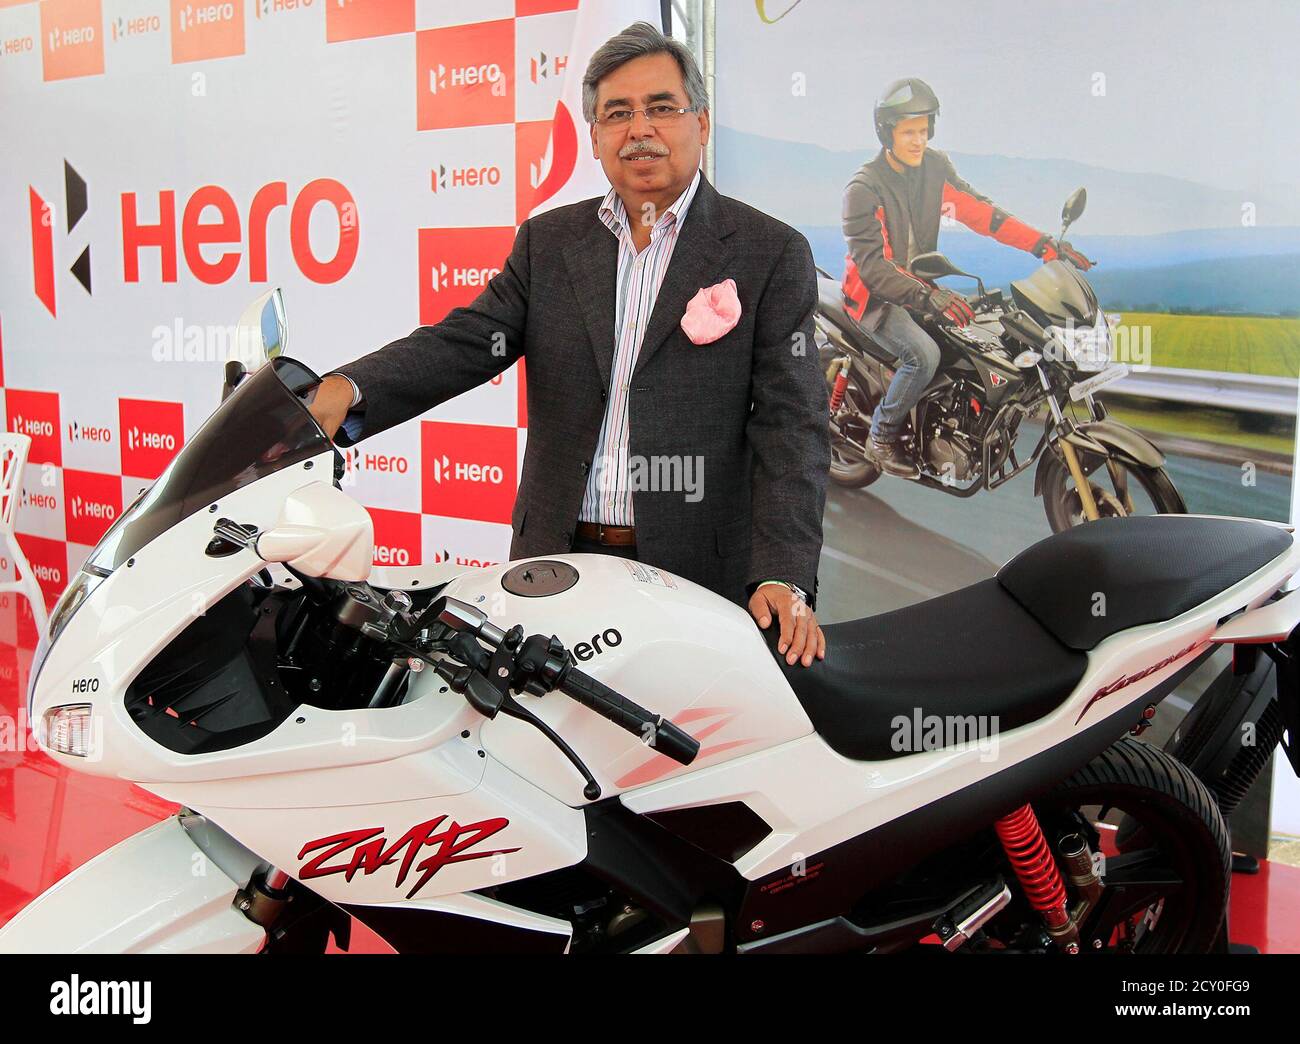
91 509
463 76
443 278
539 66
387 463
17 45
586 650
395 556
81 34
210 14
44 501
155 440
36 429
47 574
446 470
463 560
265 8
124 27
89 433
43 220
138 236
465 177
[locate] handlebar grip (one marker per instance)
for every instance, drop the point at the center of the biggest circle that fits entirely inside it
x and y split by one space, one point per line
656 731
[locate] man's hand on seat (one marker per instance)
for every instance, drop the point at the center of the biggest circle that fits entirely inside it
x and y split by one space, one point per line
801 636
332 402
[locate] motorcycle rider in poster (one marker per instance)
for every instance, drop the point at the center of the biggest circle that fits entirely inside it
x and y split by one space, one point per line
892 211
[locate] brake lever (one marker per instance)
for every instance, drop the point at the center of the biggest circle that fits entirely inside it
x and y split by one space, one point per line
486 687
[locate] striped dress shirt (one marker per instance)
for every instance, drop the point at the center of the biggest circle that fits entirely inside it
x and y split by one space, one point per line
608 497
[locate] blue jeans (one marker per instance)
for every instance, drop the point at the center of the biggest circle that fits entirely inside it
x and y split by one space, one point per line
918 358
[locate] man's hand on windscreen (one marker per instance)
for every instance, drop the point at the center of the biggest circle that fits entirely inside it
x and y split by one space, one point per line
332 402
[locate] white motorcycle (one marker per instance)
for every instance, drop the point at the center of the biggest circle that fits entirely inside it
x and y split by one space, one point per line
454 756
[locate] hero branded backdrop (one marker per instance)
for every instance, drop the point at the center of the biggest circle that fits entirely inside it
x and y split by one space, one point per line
165 162
168 161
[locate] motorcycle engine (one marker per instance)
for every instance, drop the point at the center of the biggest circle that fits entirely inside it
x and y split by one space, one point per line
950 450
946 457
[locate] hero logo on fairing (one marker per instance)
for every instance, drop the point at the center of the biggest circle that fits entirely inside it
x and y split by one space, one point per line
371 851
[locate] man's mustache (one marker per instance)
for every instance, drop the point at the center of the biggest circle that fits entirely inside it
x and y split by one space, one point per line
643 148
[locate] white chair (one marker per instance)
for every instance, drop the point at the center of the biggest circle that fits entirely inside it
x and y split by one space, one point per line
13 458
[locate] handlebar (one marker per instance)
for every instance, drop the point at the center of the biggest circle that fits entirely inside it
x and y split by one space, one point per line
548 666
653 729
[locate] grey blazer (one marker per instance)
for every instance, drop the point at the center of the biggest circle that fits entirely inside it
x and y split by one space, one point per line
752 405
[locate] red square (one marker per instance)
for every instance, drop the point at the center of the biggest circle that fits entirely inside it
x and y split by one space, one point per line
535 7
49 559
151 434
359 19
92 502
36 415
465 75
531 164
397 537
469 470
203 29
456 264
72 38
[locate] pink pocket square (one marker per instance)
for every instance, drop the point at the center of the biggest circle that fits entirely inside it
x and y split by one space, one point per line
714 311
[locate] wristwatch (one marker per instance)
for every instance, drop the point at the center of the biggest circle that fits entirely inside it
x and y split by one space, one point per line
795 589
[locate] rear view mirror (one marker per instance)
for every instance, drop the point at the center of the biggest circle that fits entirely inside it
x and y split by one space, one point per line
321 532
935 265
1074 206
262 331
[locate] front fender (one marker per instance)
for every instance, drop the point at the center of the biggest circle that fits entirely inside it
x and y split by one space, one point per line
155 892
1121 440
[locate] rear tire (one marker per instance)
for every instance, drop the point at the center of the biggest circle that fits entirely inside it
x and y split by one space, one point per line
1179 823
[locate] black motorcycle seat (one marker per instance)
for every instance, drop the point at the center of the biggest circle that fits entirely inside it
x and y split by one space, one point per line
1015 645
1146 568
971 652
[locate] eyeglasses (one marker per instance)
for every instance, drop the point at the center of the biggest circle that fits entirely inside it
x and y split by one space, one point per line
657 114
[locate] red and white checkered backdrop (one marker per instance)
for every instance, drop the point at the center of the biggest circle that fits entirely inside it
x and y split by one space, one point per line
167 161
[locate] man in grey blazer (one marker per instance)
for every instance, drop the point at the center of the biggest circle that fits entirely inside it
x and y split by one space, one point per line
703 454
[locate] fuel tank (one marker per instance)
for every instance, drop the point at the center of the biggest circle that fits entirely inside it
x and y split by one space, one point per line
670 645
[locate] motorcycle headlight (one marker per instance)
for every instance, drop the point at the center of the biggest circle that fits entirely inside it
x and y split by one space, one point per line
1087 347
71 600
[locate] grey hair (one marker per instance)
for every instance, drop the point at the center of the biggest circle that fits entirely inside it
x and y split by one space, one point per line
637 41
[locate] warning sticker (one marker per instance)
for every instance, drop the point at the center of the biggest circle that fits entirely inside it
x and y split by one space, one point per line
648 574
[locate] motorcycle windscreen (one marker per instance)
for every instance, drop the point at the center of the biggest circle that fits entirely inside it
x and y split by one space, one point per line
263 427
1055 294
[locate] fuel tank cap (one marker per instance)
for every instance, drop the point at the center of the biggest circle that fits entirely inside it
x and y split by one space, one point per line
540 578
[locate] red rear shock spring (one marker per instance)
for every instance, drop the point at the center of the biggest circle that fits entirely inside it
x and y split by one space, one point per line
1032 861
841 382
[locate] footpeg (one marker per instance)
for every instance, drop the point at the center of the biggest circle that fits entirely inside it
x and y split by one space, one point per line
957 926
